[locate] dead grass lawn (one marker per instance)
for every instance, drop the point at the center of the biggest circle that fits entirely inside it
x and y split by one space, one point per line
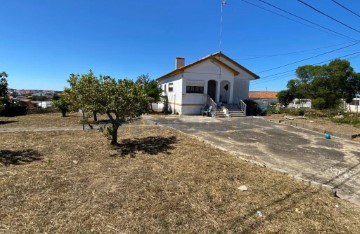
159 181
40 120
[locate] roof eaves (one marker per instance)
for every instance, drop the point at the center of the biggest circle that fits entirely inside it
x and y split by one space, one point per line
236 64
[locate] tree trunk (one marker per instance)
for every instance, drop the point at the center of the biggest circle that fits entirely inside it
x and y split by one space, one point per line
114 136
63 112
95 116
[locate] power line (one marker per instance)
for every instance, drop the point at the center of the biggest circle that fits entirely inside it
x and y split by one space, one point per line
328 52
317 10
302 18
290 53
346 8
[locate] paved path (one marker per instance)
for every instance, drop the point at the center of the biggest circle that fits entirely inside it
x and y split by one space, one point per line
299 152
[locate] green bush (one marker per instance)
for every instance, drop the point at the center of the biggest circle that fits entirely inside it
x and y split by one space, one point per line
318 103
253 108
348 119
12 110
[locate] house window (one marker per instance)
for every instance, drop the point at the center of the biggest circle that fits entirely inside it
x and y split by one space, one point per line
194 89
195 86
171 87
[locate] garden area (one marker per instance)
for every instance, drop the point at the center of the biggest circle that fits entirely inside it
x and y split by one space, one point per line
156 180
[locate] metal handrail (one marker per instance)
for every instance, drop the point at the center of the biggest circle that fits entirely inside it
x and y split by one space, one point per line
242 106
210 102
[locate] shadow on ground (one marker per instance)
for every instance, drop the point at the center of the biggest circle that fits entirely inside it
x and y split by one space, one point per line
7 122
19 157
147 145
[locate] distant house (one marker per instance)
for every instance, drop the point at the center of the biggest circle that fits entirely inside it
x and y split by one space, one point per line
264 98
215 80
300 103
353 106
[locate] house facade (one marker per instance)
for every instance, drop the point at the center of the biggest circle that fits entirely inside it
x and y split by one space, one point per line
215 79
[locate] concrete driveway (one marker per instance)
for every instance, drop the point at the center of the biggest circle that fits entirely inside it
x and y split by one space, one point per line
299 152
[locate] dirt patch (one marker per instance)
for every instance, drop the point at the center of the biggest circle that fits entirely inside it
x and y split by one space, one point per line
83 185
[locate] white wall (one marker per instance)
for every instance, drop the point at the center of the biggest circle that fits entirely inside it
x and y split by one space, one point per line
351 107
174 97
300 103
191 103
241 89
241 81
205 71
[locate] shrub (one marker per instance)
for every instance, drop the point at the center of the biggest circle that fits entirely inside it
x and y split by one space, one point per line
253 108
318 103
12 110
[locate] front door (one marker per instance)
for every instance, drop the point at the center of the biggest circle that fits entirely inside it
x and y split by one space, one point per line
211 90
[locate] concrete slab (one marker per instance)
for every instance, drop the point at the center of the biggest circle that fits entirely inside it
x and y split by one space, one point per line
300 152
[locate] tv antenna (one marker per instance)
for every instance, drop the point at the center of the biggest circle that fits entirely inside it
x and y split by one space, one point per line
223 4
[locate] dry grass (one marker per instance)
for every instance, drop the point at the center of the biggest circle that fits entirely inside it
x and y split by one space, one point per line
159 181
40 120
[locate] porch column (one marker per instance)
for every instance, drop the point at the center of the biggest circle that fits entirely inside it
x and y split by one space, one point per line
218 83
206 88
231 92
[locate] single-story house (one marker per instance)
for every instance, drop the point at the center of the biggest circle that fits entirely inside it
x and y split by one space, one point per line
215 80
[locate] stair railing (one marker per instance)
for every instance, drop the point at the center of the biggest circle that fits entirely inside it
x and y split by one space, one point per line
210 102
242 106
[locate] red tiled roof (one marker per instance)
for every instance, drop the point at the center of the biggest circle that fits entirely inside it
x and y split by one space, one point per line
262 95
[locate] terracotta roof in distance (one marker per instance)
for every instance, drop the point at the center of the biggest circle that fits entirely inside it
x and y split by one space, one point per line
262 95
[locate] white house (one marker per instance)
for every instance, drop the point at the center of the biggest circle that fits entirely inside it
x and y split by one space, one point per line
215 80
353 106
300 103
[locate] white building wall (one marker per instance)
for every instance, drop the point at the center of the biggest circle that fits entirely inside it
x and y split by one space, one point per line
174 97
241 82
202 73
241 89
191 103
352 107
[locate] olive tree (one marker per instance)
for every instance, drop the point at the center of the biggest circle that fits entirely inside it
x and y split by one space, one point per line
62 102
121 100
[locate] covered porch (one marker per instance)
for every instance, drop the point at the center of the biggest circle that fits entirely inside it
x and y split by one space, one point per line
220 91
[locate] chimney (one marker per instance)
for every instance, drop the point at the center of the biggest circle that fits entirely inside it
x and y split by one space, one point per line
180 62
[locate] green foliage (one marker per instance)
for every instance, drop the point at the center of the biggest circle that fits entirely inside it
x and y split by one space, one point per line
3 90
352 119
285 97
318 103
62 103
122 100
39 98
325 84
3 85
253 108
151 87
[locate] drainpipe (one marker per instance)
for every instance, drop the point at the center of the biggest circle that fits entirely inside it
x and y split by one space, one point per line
174 103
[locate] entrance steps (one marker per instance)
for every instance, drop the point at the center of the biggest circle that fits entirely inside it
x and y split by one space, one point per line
233 111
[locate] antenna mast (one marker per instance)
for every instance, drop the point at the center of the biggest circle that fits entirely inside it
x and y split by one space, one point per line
223 3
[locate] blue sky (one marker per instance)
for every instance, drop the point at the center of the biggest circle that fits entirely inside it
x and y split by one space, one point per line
44 41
